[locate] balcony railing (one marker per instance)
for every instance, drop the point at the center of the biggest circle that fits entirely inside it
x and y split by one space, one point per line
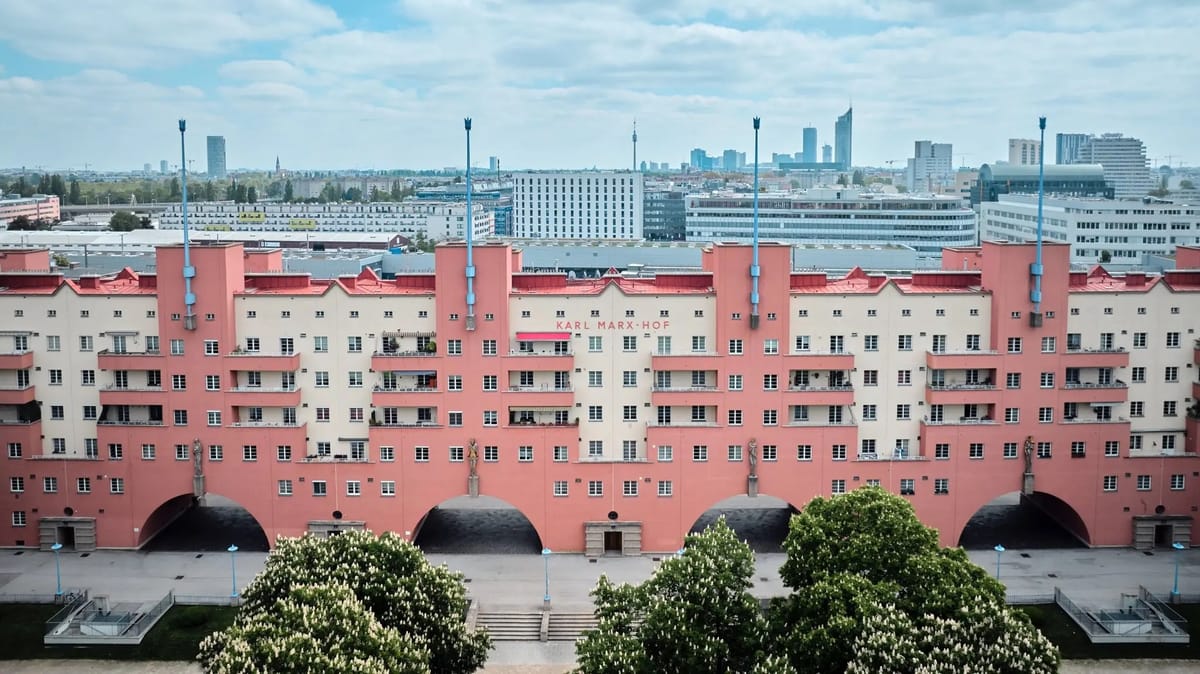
819 387
963 352
1094 420
405 389
1099 349
1088 384
409 424
129 422
265 424
262 389
332 458
405 354
15 387
112 352
969 421
819 422
543 388
518 352
133 389
685 388
963 387
696 424
657 352
18 422
261 354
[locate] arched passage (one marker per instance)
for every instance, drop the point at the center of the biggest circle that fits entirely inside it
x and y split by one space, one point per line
479 525
1036 521
761 521
183 524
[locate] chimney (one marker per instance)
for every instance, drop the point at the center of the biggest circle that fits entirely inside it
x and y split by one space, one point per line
1135 279
89 282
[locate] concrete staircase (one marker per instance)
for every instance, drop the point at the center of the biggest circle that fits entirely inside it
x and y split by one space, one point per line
569 626
512 626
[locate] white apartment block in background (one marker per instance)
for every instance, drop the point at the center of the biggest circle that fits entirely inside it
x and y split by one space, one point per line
1024 151
437 220
1124 162
930 167
578 205
1127 230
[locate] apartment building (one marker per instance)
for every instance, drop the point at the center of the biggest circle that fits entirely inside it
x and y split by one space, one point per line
578 205
38 207
612 412
437 220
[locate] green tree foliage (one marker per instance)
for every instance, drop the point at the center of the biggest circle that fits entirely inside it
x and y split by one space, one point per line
352 194
75 196
842 180
695 614
174 193
312 628
854 558
857 177
1105 256
124 221
329 193
289 194
1186 185
21 223
251 195
394 582
57 186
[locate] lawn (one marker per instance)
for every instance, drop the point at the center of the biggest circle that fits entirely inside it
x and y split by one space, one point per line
1073 643
176 637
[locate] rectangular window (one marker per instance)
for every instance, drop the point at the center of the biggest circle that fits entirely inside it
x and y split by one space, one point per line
903 411
525 454
19 518
869 412
838 452
116 485
1014 345
1013 380
489 347
908 487
1172 340
1010 450
904 342
1045 450
1048 344
941 485
699 453
456 454
629 488
1143 483
804 452
770 347
1110 483
387 488
321 344
214 417
421 454
595 449
1047 380
1177 482
837 487
319 488
629 343
1045 415
595 488
975 450
770 382
735 452
941 451
560 487
560 453
1078 449
735 347
249 452
904 377
871 343
666 453
491 453
83 485
595 344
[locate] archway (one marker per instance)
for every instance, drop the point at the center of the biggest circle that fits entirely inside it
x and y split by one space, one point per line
761 521
480 525
1036 521
183 524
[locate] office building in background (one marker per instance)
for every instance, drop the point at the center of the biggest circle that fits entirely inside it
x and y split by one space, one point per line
1126 169
843 138
1067 147
1024 152
809 155
216 157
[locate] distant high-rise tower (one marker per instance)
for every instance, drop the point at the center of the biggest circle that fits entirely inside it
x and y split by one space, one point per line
493 164
729 160
162 166
931 166
635 164
1024 151
278 168
1126 169
1067 146
827 153
810 145
843 132
216 156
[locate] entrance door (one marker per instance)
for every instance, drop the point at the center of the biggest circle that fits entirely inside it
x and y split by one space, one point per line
66 536
612 542
1164 535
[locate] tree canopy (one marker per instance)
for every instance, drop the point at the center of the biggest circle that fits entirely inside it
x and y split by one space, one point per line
124 221
394 583
695 614
312 628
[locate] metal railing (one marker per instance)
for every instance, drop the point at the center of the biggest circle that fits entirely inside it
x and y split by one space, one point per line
1170 619
1087 384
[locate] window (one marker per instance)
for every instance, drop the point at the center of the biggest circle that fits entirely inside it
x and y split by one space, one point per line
771 347
904 342
1014 345
804 452
595 449
356 414
1010 450
58 412
1171 374
1135 442
1044 450
1143 483
595 378
1047 380
735 452
53 343
319 488
87 377
50 485
1078 449
838 487
908 487
181 417
1172 340
560 487
973 343
903 411
83 485
116 485
1048 345
629 488
629 413
16 484
770 382
699 453
456 419
525 454
595 344
149 452
904 377
283 452
1177 482
421 454
18 518
322 414
595 488
699 344
491 453
456 454
869 413
629 378
214 417
1109 483
85 343
595 413
734 417
666 453
735 347
1137 408
802 343
1013 380
249 452
354 344
355 378
1168 442
1137 375
838 452
941 451
490 382
975 450
1045 415
1139 340
489 347
629 343
735 382
1112 448
454 382
177 347
1169 407
454 347
870 377
871 343
699 414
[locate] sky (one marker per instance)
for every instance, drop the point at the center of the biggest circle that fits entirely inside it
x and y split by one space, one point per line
374 84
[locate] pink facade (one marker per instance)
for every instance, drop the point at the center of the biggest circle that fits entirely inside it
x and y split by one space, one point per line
37 207
1069 480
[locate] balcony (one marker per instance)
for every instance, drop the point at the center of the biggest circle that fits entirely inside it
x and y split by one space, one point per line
407 424
685 395
819 421
1092 392
545 394
1080 357
387 361
962 394
682 423
812 394
130 422
402 396
819 360
974 359
687 360
1093 419
256 396
542 359
257 361
959 421
16 395
131 395
108 359
16 360
267 424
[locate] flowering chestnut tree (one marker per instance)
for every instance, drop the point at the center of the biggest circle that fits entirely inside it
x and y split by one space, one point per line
393 582
695 614
314 628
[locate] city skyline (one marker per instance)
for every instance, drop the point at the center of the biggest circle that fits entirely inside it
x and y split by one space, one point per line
369 85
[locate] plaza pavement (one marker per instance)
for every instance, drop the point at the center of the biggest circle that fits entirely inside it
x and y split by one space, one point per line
1095 577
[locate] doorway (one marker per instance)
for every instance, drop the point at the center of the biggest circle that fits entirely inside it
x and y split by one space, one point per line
66 536
612 542
1164 535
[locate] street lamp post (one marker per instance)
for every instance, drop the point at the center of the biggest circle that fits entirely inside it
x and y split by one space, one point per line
233 569
546 560
58 570
999 551
1175 588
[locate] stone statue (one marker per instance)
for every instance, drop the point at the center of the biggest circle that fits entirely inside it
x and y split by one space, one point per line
197 457
473 456
1029 454
753 452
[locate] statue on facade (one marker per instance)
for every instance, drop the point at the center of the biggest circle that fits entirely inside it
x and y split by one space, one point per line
753 452
1029 454
197 457
473 456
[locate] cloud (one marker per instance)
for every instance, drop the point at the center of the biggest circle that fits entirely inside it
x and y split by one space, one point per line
272 70
149 33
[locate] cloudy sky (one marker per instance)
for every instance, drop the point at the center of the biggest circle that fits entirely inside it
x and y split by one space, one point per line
558 83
